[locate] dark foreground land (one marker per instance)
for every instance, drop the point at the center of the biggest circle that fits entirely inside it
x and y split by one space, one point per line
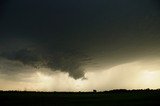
107 98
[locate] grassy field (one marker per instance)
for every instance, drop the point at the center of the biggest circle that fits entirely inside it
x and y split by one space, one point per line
107 98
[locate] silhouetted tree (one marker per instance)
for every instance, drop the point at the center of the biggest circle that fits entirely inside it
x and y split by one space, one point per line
94 90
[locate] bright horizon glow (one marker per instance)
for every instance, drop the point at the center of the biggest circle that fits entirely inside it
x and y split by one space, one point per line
135 75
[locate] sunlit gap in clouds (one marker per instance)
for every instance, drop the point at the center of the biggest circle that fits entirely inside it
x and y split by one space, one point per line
55 81
134 75
42 79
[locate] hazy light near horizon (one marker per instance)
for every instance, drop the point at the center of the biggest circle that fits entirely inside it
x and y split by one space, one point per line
134 75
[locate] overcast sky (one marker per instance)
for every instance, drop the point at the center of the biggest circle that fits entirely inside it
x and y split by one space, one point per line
79 44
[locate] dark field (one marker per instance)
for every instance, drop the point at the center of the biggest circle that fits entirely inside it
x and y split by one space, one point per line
107 98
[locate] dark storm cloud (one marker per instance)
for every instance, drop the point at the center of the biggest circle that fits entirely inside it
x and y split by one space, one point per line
69 61
12 68
63 34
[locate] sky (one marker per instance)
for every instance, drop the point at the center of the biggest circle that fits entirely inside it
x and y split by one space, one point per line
79 45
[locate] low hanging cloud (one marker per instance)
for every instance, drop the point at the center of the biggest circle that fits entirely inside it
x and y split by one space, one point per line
69 61
134 75
77 38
